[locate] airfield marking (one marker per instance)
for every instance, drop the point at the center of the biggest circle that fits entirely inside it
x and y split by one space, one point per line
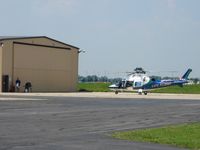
20 99
103 95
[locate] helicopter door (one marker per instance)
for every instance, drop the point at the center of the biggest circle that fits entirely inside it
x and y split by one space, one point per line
137 84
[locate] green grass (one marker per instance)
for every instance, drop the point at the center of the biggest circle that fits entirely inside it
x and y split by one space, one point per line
183 136
186 89
103 87
93 87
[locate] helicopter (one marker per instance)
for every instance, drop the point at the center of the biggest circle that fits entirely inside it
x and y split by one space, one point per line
140 82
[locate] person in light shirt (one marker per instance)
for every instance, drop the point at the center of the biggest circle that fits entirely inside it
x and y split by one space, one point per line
17 84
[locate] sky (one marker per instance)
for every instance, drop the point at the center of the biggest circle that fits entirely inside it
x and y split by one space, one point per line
117 35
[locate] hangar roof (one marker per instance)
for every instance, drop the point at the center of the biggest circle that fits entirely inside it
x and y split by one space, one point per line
2 38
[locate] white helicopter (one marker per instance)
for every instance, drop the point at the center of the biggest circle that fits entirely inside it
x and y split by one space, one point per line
135 79
140 82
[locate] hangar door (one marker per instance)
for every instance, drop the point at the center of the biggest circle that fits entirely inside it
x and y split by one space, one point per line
47 68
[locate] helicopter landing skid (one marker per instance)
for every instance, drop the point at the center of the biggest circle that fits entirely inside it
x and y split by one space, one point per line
140 91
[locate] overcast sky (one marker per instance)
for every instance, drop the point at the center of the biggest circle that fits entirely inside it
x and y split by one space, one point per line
118 35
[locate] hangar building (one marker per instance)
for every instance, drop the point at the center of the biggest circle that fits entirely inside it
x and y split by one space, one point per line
50 65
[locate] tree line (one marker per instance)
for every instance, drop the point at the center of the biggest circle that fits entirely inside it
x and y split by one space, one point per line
95 78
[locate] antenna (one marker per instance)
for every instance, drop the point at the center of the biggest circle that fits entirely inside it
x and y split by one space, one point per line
81 51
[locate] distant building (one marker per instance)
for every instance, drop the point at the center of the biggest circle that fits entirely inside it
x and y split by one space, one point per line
190 82
50 65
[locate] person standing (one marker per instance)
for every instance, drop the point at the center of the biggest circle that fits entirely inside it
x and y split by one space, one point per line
28 87
17 84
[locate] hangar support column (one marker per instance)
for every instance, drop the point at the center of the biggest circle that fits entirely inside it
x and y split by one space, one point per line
1 64
12 88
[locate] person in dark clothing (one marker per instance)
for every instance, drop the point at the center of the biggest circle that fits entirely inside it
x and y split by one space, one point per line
17 84
28 87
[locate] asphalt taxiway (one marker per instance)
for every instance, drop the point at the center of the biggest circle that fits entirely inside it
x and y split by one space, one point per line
30 122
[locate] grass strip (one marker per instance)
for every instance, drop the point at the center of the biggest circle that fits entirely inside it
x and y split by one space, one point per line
93 87
103 87
183 136
186 89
